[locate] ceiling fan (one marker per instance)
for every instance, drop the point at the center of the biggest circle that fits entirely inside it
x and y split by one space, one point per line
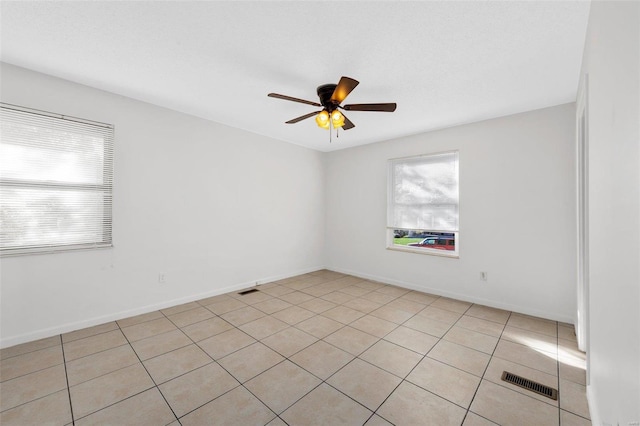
331 96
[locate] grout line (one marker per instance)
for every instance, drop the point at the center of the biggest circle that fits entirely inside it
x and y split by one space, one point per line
66 376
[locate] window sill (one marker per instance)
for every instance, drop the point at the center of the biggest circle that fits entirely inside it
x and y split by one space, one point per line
439 253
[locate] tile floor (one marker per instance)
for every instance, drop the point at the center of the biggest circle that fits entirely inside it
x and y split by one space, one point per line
317 349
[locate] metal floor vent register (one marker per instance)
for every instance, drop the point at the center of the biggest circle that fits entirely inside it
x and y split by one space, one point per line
530 385
253 290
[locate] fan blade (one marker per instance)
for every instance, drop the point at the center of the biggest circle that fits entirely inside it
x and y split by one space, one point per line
371 107
289 98
302 117
342 90
347 123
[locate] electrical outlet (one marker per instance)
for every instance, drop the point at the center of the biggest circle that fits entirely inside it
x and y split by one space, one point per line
484 276
162 278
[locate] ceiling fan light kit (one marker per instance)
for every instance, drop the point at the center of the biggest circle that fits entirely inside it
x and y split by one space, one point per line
331 96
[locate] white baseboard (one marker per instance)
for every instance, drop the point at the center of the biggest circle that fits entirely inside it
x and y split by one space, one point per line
492 303
593 412
6 342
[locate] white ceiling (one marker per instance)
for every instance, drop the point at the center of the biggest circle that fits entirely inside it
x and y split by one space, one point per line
444 63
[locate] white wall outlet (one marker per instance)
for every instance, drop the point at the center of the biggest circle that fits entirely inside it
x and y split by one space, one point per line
162 278
484 276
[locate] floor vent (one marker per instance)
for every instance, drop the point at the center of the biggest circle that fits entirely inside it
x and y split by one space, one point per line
253 290
530 385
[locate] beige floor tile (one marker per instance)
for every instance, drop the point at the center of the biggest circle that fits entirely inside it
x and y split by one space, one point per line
392 358
214 299
427 325
277 422
272 305
448 382
393 290
392 314
317 305
318 290
573 398
367 384
355 291
526 356
91 345
497 366
191 316
221 307
289 341
322 359
506 407
481 326
407 305
160 344
297 285
281 386
424 298
237 407
412 339
207 328
461 357
531 339
175 363
296 297
89 331
146 408
148 329
567 332
376 420
570 419
319 326
250 361
53 409
573 370
489 314
382 298
471 339
369 285
29 347
473 419
96 394
263 327
32 386
569 348
411 405
362 305
276 290
180 308
194 389
351 340
338 297
293 315
242 315
439 314
20 365
92 366
537 325
127 322
451 305
312 410
226 343
374 325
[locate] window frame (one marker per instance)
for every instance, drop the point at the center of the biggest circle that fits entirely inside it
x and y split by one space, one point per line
390 245
105 188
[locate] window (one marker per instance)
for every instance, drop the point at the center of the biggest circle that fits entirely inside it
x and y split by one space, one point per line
55 182
422 204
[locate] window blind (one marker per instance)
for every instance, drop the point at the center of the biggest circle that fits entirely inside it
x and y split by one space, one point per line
56 179
423 193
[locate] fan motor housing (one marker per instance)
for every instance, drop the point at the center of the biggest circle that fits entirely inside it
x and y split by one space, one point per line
324 93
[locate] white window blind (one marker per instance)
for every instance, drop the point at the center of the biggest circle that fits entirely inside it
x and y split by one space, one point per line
423 193
56 177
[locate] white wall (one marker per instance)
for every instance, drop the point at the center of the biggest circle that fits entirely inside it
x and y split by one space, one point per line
517 213
611 60
215 208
